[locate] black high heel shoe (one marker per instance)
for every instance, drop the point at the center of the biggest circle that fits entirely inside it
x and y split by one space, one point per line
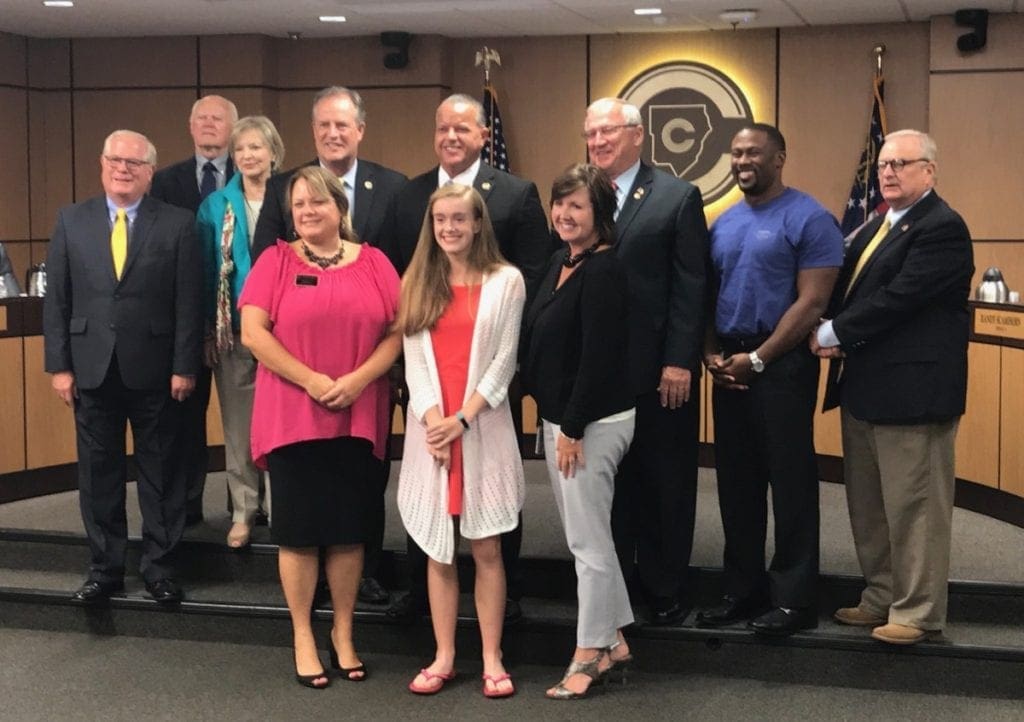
309 680
345 672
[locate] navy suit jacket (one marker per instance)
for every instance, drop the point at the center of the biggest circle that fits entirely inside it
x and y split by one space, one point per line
372 218
176 184
663 243
904 325
151 318
516 214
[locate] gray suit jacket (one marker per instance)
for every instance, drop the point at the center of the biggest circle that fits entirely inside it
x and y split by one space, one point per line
151 318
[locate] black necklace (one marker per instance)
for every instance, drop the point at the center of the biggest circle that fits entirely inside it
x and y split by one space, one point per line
571 261
324 261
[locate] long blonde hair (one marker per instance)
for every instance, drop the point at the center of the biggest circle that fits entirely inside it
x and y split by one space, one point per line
425 288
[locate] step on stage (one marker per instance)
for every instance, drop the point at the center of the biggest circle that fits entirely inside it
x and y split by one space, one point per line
235 597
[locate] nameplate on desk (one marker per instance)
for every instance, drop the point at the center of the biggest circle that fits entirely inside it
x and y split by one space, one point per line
1003 323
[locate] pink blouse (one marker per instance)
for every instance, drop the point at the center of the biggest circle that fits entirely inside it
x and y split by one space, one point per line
331 320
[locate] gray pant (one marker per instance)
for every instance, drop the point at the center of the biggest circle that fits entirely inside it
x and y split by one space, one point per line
585 507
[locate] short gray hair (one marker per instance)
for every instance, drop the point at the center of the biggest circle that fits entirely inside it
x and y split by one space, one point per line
265 127
630 113
232 110
336 90
150 148
929 150
481 118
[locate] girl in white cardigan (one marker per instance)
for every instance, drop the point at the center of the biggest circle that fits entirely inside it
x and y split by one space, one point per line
461 474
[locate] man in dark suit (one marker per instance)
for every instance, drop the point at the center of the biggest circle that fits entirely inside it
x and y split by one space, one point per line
662 239
898 335
123 337
186 185
339 123
460 132
774 259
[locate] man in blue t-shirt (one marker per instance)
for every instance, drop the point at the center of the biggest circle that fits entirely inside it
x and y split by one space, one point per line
774 260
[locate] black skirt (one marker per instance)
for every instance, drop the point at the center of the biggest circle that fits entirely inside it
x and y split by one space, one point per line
321 491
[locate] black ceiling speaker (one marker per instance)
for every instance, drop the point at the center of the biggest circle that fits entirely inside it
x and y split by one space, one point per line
400 42
976 20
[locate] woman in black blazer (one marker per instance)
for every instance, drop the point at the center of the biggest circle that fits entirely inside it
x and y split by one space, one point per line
575 353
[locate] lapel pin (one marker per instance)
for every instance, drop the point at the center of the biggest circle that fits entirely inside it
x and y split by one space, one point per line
486 185
905 226
638 194
368 185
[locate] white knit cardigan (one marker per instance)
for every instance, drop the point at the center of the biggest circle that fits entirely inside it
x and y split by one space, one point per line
493 484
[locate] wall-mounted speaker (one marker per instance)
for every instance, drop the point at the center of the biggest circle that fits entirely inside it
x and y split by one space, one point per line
399 41
977 20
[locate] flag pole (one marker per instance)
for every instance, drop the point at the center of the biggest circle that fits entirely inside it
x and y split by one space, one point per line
485 56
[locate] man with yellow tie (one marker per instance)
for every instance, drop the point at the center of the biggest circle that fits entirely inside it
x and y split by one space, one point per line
123 336
898 339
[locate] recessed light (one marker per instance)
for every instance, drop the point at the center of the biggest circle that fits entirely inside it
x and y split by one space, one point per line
738 16
332 18
59 3
647 11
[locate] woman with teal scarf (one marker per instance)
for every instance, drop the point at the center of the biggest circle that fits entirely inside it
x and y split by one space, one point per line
225 223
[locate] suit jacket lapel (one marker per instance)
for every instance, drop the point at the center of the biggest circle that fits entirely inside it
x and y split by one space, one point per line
364 197
635 199
484 181
137 234
99 235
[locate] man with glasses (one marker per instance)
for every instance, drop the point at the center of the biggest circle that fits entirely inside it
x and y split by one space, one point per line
122 325
662 240
775 256
898 339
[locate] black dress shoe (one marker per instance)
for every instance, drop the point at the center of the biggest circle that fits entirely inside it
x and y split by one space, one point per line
371 592
405 608
261 518
165 591
782 622
93 591
730 609
666 610
513 611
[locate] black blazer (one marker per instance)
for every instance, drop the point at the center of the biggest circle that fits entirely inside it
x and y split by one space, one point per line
904 325
176 184
516 214
372 218
663 242
576 344
151 318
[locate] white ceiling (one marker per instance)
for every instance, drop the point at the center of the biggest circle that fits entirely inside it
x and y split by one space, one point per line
451 18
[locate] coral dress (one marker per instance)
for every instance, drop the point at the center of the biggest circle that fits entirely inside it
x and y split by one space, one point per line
452 339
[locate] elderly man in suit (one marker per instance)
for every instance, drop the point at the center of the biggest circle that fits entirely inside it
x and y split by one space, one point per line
339 123
186 185
460 132
898 339
123 337
662 240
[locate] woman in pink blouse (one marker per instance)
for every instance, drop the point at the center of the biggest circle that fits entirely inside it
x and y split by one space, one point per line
316 314
461 470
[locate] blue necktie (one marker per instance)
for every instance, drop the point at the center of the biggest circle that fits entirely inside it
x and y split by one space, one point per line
209 184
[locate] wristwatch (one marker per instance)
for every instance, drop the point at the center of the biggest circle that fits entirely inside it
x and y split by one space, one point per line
755 362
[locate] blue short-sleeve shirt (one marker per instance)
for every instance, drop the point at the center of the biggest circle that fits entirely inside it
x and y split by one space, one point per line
757 251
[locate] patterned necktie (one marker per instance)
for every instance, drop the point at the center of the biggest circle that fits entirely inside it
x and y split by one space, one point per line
209 184
618 201
119 242
348 196
882 232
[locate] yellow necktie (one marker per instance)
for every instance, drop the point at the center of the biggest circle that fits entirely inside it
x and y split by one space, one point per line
882 232
119 242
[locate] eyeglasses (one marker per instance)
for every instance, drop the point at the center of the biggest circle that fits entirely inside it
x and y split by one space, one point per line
130 163
898 164
606 131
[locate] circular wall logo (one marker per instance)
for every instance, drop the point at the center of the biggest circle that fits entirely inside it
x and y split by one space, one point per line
691 112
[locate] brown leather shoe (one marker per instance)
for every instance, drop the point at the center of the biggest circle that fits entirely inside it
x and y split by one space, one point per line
857 617
899 634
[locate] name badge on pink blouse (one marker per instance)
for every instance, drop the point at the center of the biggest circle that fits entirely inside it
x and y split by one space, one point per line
302 279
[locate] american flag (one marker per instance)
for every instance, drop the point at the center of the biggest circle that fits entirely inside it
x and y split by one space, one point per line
495 152
866 200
